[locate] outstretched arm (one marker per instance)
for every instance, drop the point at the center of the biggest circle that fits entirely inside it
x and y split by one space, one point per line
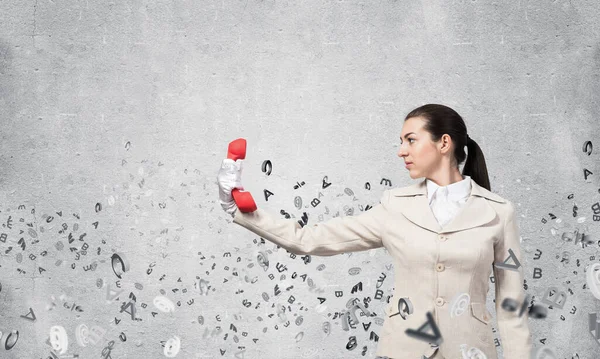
335 236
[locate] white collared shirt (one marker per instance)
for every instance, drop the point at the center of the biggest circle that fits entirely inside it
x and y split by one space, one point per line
446 201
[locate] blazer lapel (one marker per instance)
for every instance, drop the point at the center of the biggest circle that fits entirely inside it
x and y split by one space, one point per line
475 212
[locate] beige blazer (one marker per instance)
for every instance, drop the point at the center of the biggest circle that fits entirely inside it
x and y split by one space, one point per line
433 266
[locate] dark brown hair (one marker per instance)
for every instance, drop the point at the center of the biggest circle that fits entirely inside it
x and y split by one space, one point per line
440 120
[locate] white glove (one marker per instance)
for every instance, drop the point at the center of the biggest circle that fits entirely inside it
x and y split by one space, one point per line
228 178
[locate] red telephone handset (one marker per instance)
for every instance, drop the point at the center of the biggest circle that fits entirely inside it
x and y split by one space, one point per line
243 200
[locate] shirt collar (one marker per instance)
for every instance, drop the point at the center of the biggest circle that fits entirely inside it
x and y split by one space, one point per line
456 191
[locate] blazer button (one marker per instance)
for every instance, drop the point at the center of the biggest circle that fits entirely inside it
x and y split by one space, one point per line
440 267
439 301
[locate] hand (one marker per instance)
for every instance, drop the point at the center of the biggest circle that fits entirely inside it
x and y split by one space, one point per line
228 178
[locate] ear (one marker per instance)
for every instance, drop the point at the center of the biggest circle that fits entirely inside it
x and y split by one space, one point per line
445 143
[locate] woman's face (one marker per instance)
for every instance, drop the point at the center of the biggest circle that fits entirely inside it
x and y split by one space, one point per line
416 147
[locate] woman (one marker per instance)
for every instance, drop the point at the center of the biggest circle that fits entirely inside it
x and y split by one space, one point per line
445 234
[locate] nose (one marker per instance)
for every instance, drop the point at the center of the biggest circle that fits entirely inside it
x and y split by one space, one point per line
402 153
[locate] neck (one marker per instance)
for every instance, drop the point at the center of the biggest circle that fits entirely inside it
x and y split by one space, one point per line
447 178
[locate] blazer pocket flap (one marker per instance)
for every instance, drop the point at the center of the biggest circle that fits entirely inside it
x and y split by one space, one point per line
479 311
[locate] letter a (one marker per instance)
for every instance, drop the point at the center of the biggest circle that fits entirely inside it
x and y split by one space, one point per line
436 338
514 267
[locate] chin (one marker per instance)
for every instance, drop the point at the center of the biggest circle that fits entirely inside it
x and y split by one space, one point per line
414 175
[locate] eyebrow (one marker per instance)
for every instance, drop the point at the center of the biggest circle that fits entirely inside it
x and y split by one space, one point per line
407 135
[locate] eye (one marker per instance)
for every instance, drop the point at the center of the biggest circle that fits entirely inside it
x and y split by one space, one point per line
411 139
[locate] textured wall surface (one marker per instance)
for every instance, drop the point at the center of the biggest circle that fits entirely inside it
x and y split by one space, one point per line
116 117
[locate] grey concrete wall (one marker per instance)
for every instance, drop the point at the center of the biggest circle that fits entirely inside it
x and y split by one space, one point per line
116 117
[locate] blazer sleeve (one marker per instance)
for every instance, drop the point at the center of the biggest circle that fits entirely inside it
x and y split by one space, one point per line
514 330
335 236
